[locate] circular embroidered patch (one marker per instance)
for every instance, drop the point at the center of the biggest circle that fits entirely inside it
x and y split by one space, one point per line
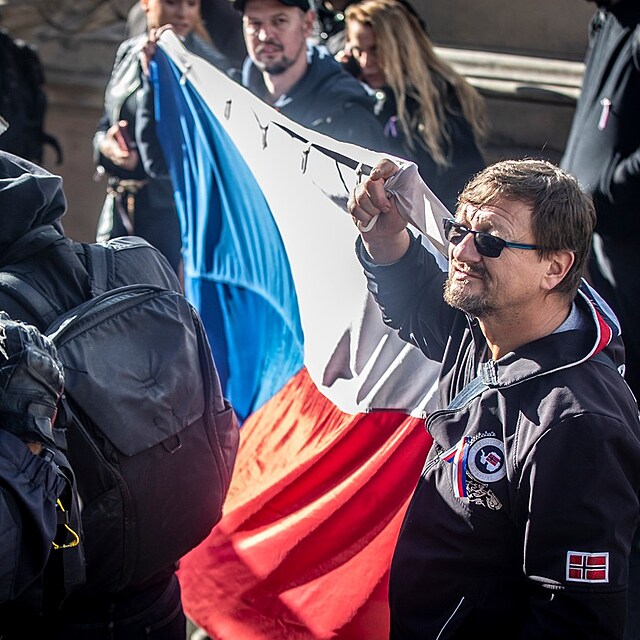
486 460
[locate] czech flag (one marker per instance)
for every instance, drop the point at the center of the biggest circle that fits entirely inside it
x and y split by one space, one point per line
332 401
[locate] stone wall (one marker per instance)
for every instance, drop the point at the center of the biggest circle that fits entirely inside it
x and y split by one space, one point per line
77 49
525 57
539 28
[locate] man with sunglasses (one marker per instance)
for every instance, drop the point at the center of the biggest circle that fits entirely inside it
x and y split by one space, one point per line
523 517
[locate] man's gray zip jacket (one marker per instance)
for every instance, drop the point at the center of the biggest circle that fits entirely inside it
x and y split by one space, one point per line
327 99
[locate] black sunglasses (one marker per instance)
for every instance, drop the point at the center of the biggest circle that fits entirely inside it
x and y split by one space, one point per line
487 245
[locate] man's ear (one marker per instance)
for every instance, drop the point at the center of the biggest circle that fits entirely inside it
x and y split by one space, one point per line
145 5
309 22
558 265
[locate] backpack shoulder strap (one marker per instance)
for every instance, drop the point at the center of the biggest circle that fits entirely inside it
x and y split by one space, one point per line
98 263
100 267
29 297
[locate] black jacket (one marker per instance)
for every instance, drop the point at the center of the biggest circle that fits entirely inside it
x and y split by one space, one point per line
603 152
129 96
603 149
332 32
522 520
32 198
29 488
326 99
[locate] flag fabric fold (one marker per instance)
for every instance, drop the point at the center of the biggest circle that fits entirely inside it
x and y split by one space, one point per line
332 443
310 523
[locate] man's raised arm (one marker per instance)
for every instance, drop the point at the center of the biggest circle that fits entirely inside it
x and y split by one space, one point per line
376 214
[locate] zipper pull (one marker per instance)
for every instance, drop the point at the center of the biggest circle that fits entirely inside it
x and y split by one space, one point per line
604 115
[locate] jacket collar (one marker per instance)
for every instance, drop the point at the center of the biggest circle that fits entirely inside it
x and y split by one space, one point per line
323 77
558 351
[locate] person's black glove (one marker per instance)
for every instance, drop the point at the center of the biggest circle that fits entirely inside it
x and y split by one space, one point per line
31 381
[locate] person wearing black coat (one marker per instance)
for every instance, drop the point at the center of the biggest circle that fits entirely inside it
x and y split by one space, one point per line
126 147
426 108
603 152
301 80
522 520
33 485
32 202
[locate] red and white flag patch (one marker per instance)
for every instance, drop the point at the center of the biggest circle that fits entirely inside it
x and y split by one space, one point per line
587 567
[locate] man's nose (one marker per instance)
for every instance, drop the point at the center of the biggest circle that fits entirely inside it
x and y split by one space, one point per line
265 32
466 250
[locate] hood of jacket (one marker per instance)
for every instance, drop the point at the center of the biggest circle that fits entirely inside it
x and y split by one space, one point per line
324 82
29 197
557 351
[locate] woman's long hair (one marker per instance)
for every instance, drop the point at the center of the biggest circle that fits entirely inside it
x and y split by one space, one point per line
200 29
413 70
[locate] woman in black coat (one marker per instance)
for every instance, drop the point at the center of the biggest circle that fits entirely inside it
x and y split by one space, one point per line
437 118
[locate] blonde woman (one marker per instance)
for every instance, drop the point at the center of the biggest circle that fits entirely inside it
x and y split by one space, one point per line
436 117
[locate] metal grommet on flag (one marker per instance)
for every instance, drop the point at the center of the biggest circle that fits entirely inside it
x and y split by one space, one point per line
264 130
185 73
305 158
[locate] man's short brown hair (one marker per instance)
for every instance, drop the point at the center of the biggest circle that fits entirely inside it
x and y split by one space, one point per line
562 217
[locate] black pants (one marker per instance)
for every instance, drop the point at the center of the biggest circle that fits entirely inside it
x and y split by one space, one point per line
152 614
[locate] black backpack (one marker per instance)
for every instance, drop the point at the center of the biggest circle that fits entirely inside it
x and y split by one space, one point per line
23 102
149 436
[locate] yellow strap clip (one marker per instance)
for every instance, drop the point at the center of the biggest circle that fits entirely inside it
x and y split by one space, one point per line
76 538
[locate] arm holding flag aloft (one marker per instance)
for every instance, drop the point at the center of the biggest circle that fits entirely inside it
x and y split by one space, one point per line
376 214
392 256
